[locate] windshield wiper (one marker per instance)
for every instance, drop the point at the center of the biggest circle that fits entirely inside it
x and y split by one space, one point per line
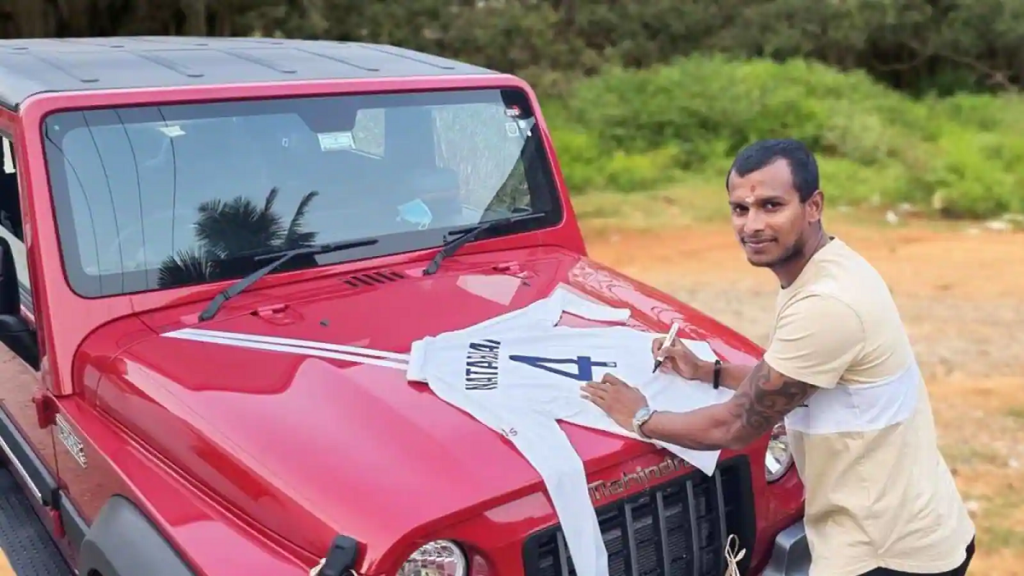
468 235
282 257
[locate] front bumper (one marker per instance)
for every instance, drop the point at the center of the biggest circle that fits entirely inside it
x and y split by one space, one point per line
791 555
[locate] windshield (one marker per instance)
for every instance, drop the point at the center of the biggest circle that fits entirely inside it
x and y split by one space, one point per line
156 197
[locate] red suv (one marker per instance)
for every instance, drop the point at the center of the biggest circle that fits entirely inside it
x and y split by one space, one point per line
180 398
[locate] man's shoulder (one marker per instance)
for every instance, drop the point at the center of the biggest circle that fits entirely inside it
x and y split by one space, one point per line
846 260
822 305
844 275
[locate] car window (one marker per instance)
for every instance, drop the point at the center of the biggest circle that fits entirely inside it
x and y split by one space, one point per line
159 197
11 225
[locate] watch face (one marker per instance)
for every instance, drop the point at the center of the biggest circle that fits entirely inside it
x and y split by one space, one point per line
642 414
640 419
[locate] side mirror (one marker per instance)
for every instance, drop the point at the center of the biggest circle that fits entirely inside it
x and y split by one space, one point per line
15 331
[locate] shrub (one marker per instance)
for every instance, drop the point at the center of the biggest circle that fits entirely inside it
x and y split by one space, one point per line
635 129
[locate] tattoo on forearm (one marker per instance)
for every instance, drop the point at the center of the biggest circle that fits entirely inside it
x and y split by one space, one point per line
767 397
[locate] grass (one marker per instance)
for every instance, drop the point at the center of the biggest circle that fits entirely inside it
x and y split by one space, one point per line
684 203
700 200
999 519
1017 413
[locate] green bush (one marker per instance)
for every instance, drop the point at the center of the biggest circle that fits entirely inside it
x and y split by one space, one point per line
586 165
628 130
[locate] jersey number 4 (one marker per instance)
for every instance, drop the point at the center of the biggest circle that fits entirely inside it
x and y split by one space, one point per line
584 365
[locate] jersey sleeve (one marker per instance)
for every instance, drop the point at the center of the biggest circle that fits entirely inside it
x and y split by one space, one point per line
565 301
816 338
546 447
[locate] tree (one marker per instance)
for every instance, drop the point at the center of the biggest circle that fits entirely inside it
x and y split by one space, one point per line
226 230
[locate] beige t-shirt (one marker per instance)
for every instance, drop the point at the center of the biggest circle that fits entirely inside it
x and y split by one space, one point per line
878 491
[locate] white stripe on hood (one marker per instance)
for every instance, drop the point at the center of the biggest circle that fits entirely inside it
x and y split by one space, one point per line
294 346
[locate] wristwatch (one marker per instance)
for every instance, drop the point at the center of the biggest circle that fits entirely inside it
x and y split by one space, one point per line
642 416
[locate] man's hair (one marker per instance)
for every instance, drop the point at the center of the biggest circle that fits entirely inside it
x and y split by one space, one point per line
802 164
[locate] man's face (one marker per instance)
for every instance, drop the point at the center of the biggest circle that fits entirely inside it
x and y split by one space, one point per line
770 222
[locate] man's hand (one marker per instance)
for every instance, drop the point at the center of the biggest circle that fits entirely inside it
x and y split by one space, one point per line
619 400
679 359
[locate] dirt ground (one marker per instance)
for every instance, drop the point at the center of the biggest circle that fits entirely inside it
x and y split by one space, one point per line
960 295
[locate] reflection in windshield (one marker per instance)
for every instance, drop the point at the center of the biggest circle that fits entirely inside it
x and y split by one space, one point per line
225 230
156 197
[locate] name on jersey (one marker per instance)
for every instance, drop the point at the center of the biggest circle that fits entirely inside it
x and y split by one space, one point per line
482 365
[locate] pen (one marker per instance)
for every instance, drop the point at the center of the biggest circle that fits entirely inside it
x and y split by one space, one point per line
664 346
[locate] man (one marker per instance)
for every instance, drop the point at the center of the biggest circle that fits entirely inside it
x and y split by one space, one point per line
839 368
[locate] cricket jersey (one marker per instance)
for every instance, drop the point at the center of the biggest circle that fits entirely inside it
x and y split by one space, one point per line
521 373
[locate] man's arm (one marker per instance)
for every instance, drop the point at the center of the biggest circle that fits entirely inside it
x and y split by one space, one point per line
816 339
731 376
761 401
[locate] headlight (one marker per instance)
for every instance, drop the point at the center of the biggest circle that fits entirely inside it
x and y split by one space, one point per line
437 558
778 458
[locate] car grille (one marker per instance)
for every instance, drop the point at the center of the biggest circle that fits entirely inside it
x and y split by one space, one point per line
677 528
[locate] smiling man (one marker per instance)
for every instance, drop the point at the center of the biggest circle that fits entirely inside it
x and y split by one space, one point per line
840 371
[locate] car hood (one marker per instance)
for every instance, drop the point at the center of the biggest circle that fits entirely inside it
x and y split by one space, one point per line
309 444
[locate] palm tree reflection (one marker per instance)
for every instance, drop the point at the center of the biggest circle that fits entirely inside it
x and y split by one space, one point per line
225 230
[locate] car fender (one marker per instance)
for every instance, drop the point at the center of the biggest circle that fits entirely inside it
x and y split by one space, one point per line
122 541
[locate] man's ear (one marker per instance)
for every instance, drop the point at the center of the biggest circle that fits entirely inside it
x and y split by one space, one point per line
815 206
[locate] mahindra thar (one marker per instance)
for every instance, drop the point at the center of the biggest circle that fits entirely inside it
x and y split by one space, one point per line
214 253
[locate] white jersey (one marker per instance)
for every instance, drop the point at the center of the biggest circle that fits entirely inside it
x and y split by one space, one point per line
520 374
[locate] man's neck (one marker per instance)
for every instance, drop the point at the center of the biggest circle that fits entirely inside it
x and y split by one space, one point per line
789 271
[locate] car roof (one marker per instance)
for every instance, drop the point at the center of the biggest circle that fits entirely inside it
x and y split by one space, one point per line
36 65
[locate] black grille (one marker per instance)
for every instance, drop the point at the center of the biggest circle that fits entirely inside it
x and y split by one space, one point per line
676 528
373 278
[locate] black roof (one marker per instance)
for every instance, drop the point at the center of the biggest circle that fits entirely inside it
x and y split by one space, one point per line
32 66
